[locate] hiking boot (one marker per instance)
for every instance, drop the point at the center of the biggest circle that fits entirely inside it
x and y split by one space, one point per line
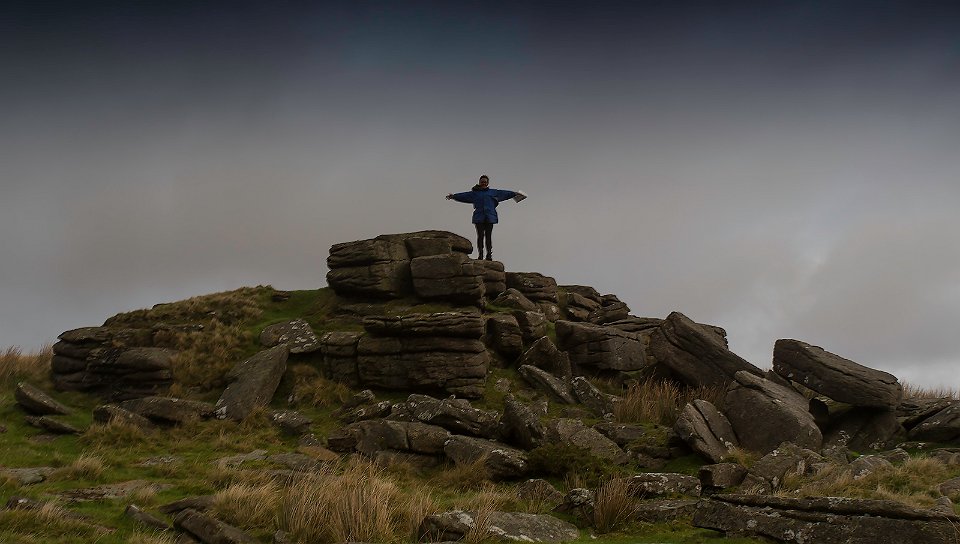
489 256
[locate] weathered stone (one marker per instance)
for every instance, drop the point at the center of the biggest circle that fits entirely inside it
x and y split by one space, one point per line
494 277
533 325
505 336
252 383
444 324
455 415
550 310
544 355
579 305
694 354
511 298
706 430
49 423
864 429
521 426
913 411
539 491
366 252
369 437
291 421
453 365
721 475
833 376
450 277
501 461
557 388
60 364
36 401
117 490
498 526
296 334
377 410
233 461
826 520
28 475
944 426
534 286
137 514
597 348
294 461
950 488
597 401
382 280
111 412
654 484
623 434
339 351
764 414
865 465
169 410
209 529
572 432
425 247
767 473
199 503
611 309
660 511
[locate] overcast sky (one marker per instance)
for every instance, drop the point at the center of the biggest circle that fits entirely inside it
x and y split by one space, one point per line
780 169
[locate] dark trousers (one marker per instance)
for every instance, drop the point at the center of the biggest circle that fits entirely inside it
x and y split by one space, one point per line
484 231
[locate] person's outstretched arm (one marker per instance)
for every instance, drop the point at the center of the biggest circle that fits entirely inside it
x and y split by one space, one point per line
502 195
466 197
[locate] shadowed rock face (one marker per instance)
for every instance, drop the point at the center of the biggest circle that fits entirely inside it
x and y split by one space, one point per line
595 348
253 383
695 354
764 414
706 430
827 520
500 526
835 377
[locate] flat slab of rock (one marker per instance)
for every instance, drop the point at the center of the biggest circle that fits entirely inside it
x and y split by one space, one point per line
28 475
835 377
111 491
296 334
111 412
557 388
209 529
765 414
659 511
501 461
943 426
500 526
652 484
35 401
534 286
252 383
51 424
169 409
453 324
825 520
369 437
455 415
574 432
599 348
695 354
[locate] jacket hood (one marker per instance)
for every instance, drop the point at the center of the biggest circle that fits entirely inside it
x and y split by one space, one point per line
479 188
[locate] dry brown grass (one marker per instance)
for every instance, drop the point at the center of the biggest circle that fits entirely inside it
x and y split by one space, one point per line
482 506
84 467
463 477
660 401
250 504
358 505
614 505
204 357
914 482
114 434
17 366
229 307
312 389
155 537
943 392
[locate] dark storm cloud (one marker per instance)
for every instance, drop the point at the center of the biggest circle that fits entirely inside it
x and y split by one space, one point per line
781 169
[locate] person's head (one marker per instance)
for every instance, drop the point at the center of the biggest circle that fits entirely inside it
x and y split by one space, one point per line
484 181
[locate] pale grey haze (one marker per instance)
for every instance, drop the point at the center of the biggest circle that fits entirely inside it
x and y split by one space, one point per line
780 169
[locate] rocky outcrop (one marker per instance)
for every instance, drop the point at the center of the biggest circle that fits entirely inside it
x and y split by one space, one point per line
943 426
111 362
764 414
611 309
597 349
380 267
835 377
521 427
573 433
720 476
498 526
494 278
504 336
210 530
767 473
706 430
694 354
545 356
598 402
370 437
826 520
558 389
579 301
111 412
296 334
862 429
339 352
453 277
442 324
252 383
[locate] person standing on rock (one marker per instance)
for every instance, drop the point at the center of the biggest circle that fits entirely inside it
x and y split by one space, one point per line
485 201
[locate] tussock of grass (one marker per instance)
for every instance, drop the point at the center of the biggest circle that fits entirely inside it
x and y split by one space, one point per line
463 477
614 505
16 366
155 537
249 504
358 505
46 522
115 434
660 401
312 389
918 392
228 307
204 357
85 467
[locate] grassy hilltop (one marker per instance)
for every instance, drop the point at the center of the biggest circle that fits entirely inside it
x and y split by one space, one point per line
349 498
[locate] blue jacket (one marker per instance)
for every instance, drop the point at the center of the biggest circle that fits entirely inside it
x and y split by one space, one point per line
484 202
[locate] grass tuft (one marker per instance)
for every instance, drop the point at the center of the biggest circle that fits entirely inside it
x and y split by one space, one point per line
660 401
16 366
911 391
614 505
84 467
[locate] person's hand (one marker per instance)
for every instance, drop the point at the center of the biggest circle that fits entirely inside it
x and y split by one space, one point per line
449 196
